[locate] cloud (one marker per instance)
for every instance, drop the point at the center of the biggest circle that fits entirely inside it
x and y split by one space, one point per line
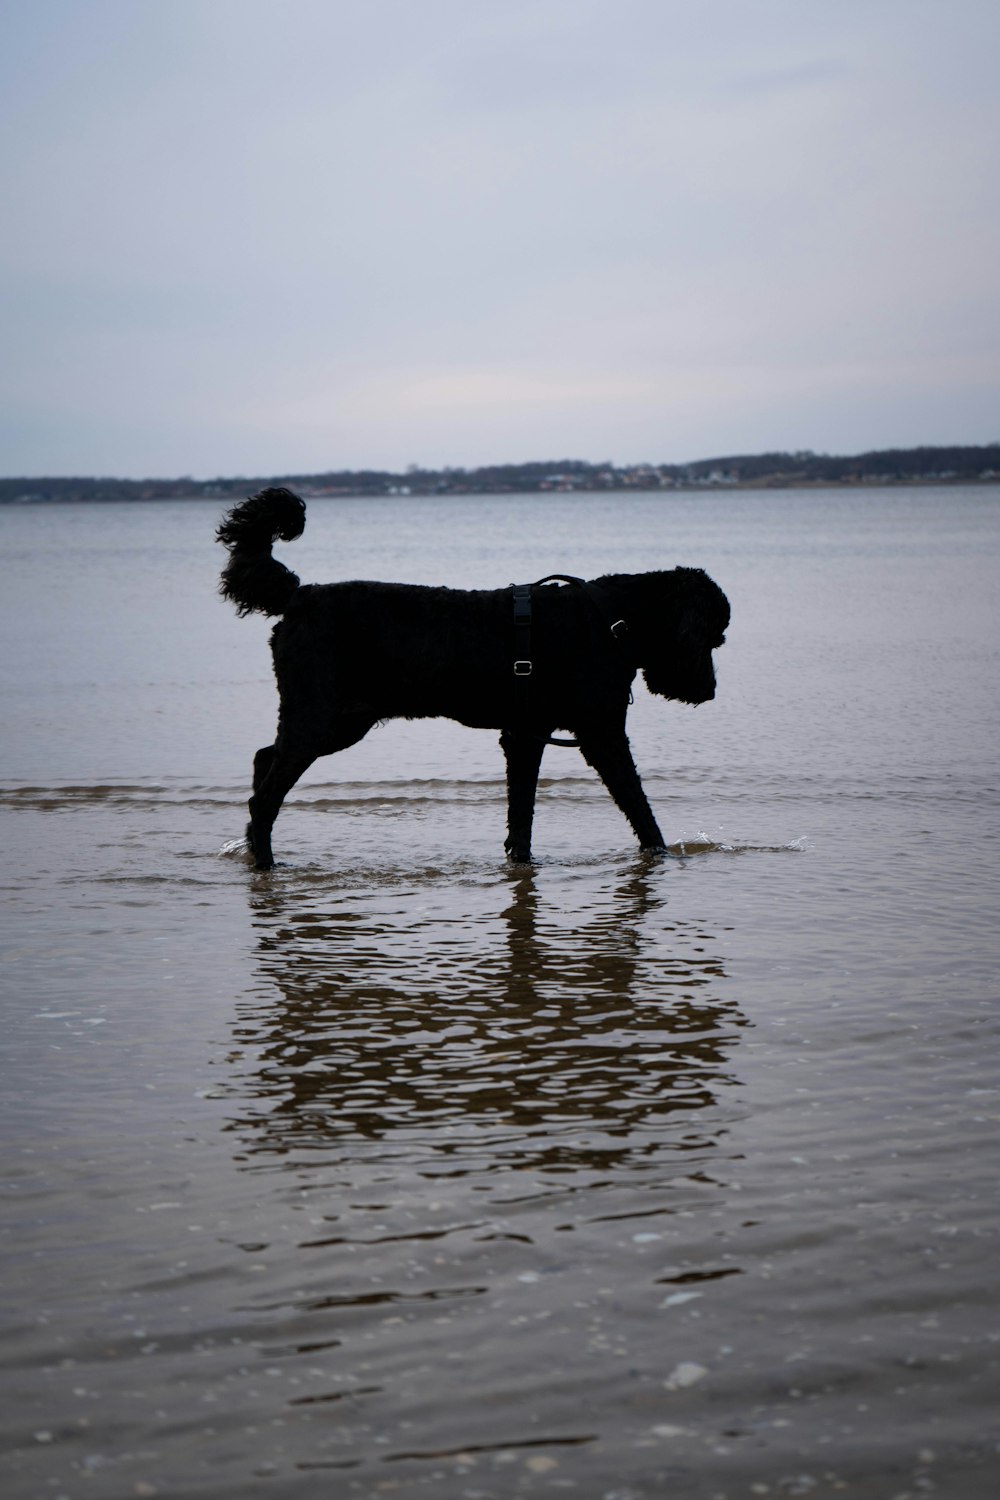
253 237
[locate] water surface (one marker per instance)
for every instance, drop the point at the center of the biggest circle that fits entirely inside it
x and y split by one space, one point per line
397 1171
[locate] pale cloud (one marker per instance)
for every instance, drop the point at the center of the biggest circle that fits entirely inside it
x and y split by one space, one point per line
251 237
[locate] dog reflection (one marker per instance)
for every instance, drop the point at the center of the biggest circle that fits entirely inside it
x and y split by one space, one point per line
518 1032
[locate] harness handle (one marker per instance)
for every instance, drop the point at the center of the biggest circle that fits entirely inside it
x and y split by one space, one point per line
598 598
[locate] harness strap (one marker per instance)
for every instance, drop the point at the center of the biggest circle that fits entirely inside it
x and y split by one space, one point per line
523 663
522 629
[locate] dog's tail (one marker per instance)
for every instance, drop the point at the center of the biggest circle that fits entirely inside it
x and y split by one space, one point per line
252 579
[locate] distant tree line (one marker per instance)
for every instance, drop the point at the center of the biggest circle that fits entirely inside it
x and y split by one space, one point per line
937 465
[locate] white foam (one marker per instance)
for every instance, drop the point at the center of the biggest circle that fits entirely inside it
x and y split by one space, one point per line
234 846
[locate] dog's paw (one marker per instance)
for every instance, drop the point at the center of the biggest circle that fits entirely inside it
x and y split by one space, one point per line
517 854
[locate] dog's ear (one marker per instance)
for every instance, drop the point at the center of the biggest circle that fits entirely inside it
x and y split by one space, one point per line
704 608
693 620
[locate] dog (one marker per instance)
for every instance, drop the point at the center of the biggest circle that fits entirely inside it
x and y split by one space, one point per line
527 660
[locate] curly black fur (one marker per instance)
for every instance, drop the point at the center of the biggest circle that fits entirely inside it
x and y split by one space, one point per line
253 579
347 655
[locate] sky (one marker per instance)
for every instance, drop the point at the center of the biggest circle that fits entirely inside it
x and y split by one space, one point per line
262 237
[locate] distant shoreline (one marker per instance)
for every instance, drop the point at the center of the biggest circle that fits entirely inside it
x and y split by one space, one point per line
757 487
890 467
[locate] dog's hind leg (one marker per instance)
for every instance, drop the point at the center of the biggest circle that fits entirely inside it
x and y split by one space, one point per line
524 756
275 772
277 767
262 764
611 758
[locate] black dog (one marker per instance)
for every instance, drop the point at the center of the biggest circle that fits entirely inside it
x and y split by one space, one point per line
527 661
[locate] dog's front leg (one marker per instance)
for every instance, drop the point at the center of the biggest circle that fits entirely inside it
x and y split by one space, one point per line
611 758
524 756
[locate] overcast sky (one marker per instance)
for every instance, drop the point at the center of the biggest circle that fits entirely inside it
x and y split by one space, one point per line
276 236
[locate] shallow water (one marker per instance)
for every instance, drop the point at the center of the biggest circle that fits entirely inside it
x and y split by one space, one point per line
397 1171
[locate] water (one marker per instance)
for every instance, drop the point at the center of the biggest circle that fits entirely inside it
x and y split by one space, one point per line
397 1171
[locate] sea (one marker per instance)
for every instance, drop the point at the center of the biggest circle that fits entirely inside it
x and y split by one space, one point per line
398 1171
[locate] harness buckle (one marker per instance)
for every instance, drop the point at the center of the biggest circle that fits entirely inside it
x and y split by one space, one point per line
619 628
522 669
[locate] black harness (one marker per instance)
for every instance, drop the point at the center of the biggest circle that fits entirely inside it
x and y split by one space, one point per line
523 663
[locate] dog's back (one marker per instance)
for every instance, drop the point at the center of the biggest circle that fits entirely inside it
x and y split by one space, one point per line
399 650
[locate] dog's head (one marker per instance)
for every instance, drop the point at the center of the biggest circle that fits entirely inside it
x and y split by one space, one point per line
683 625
